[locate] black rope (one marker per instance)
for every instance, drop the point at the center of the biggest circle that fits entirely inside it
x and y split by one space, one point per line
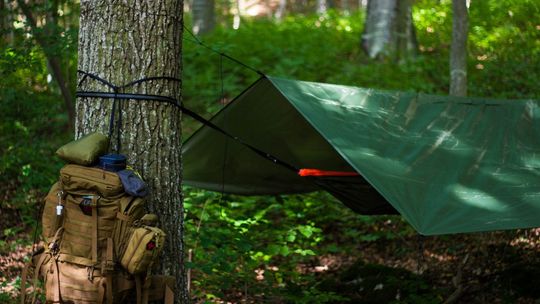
111 120
108 95
116 106
119 127
130 84
169 100
117 89
196 40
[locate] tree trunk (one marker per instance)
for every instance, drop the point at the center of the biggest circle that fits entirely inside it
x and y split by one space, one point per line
322 6
362 4
204 18
122 41
345 6
7 14
280 11
389 29
4 15
458 51
237 12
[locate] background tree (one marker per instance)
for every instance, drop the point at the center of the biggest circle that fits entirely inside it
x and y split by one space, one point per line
204 18
389 29
45 37
458 51
126 41
324 5
4 25
281 8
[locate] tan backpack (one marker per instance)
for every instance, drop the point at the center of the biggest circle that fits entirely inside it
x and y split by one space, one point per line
100 245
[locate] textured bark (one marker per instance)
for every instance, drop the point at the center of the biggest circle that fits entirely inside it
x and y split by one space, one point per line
204 18
389 29
126 40
458 51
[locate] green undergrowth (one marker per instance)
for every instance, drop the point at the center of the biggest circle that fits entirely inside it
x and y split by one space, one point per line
267 249
33 125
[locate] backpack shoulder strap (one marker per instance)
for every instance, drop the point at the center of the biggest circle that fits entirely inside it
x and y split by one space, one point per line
95 229
169 295
24 276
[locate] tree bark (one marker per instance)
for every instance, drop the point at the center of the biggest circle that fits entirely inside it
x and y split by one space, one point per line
122 41
204 18
53 61
458 50
389 29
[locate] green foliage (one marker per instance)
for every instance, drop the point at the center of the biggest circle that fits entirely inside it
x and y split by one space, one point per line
265 248
33 120
503 48
251 246
268 248
326 48
33 112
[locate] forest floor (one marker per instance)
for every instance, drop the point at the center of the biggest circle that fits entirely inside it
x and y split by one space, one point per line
498 267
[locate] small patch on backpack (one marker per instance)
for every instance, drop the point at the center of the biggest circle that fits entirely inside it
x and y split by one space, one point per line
150 245
86 206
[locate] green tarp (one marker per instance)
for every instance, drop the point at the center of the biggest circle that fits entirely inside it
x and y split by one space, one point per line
446 164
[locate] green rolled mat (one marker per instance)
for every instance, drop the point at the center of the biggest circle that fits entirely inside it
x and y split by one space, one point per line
85 150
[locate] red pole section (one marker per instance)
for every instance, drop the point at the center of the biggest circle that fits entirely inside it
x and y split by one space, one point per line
317 172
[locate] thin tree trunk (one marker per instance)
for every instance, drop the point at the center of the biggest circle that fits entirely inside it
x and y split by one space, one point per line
236 14
204 18
54 62
330 4
377 30
7 14
345 6
4 15
404 34
322 6
125 41
458 51
362 4
12 9
280 12
389 29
